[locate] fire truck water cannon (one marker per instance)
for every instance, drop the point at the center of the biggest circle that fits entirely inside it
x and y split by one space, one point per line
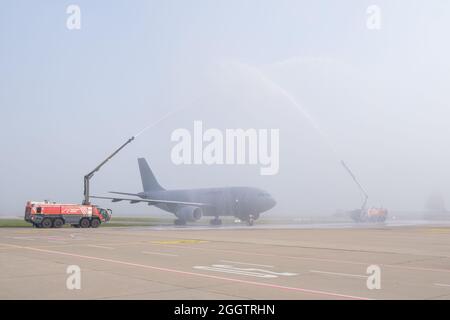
363 214
88 177
54 215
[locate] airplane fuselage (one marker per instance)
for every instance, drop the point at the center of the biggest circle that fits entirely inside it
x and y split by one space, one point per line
245 203
240 202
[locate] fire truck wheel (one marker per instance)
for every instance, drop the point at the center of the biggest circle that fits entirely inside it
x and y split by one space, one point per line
46 223
85 223
58 223
95 223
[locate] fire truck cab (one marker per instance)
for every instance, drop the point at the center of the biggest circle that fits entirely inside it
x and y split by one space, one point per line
54 215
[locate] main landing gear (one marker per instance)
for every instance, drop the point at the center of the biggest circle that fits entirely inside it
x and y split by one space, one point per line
215 222
179 222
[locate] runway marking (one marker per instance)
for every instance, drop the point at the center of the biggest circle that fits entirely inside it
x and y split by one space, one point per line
161 253
441 284
339 274
284 256
55 238
181 241
260 284
30 238
75 236
261 273
319 259
219 268
101 247
248 264
415 268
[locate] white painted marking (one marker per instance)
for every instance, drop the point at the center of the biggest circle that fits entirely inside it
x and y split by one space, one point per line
275 256
441 284
339 274
101 247
248 264
22 238
75 236
227 270
161 253
245 271
187 273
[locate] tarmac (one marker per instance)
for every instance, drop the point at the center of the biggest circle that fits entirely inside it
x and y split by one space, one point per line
260 262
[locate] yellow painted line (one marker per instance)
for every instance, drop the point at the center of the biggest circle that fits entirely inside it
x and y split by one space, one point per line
439 230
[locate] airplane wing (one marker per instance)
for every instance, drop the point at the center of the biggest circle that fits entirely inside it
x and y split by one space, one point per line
124 193
153 201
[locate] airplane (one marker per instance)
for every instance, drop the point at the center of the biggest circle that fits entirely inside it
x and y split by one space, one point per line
244 203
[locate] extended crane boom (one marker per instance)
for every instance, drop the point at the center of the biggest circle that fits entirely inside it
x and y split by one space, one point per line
357 183
91 174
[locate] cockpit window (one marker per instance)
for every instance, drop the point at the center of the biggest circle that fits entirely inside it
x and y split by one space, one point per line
263 194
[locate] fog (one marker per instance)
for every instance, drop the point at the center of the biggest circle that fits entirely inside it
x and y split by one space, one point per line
336 90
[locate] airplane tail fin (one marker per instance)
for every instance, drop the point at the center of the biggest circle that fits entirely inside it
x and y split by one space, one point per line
149 182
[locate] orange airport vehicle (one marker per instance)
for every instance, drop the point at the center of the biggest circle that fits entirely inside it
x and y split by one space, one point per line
54 215
377 214
369 215
86 215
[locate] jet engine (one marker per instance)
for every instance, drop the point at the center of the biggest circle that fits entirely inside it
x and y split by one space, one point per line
189 213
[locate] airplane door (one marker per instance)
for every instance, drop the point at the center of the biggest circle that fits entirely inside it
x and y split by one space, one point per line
236 203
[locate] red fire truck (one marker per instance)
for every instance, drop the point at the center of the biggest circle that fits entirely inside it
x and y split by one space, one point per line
54 215
369 215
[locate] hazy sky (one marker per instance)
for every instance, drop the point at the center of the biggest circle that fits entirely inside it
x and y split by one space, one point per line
69 97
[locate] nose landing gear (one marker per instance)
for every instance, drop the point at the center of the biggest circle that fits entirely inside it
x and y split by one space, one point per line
251 219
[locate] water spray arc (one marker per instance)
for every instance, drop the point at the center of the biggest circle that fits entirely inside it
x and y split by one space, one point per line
275 86
87 177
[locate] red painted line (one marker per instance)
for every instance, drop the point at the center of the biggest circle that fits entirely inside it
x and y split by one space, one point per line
261 284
